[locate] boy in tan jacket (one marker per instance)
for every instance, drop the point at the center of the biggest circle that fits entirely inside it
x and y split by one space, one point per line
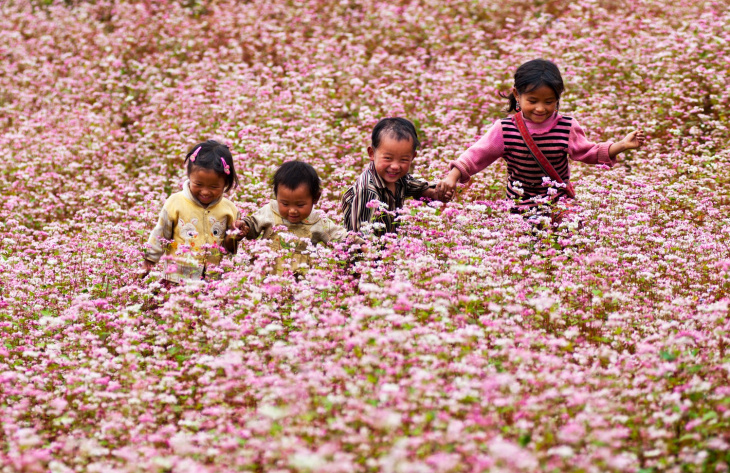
297 190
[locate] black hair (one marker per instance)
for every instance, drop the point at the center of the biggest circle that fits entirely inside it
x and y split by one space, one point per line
208 156
533 75
398 128
293 174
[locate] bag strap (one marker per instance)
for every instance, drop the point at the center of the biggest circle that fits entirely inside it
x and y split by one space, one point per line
542 161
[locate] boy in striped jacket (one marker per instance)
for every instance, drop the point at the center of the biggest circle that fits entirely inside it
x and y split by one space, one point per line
381 189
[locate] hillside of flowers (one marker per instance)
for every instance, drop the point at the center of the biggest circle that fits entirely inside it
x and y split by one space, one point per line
468 342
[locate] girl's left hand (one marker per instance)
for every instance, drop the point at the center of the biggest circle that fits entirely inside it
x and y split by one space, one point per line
634 139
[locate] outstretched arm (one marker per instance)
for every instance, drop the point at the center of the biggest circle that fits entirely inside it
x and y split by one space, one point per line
631 141
481 154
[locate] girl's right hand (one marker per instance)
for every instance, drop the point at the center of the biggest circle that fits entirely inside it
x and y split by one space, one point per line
447 187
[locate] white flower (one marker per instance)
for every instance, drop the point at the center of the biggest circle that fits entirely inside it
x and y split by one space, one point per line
307 461
563 451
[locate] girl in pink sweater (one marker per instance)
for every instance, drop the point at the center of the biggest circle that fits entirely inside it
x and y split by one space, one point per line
536 95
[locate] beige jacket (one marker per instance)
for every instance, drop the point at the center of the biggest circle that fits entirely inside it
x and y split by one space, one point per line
316 228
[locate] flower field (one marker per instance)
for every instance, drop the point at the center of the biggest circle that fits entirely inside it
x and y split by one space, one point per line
465 343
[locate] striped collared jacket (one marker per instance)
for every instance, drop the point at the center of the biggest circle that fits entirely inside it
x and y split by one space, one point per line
368 187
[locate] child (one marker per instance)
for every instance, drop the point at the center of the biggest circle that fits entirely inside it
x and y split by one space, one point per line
536 96
296 192
386 179
194 223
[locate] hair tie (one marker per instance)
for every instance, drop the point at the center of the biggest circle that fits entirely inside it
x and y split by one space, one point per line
226 168
195 153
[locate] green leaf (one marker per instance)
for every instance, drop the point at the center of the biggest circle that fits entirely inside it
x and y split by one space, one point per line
667 356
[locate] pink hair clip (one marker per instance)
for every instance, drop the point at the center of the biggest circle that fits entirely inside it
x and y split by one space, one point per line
226 167
195 153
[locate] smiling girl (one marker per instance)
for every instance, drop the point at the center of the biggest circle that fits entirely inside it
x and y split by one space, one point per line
535 99
192 229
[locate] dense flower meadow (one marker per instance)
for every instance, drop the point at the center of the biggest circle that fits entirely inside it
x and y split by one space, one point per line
466 343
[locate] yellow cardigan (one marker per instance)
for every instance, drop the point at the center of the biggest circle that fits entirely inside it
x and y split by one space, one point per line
190 234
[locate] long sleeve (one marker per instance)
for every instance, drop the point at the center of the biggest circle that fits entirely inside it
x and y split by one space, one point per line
481 154
414 187
162 231
583 150
330 231
258 222
326 231
354 206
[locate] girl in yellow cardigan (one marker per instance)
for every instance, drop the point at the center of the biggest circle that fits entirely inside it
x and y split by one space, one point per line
192 231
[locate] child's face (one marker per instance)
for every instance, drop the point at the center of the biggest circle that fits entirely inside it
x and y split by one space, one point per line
295 205
537 105
392 159
206 185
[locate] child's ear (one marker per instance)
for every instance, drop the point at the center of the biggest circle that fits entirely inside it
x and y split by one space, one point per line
371 153
413 159
515 93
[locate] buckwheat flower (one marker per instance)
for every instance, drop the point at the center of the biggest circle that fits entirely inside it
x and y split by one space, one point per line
27 438
563 451
387 419
306 460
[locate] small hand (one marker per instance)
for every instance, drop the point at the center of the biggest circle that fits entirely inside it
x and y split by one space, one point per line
242 228
634 139
146 268
445 192
431 193
447 186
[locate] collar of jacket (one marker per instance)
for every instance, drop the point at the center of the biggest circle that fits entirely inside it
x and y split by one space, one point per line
189 195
